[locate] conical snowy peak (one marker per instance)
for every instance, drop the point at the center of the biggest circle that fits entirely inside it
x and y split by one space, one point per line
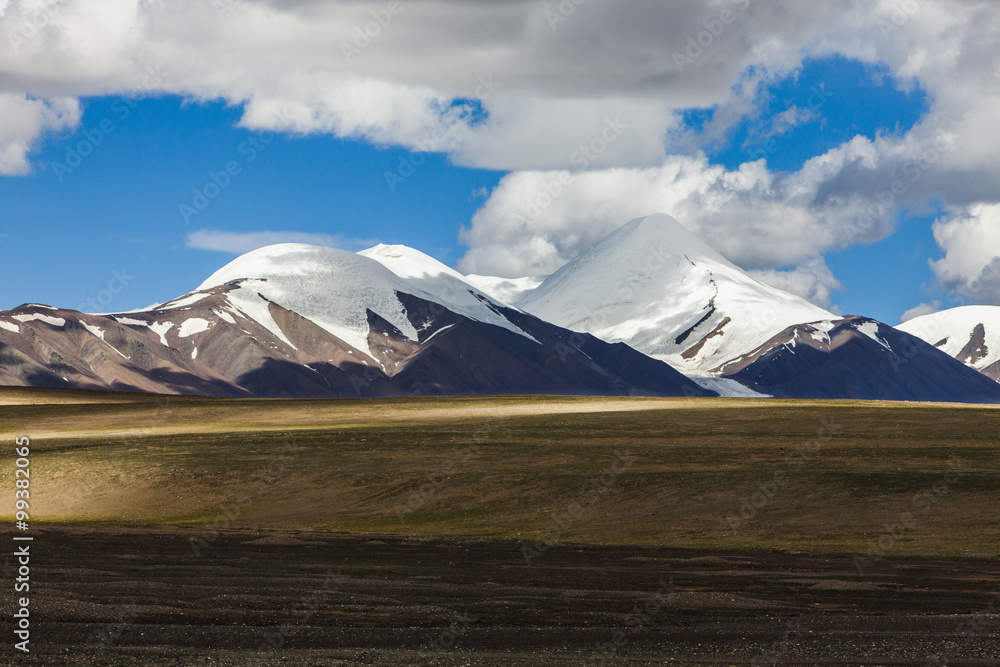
658 230
654 285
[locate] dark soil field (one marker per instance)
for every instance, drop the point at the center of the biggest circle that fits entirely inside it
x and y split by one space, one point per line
113 596
506 531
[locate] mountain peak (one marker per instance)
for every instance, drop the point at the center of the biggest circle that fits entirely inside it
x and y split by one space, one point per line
280 259
661 231
407 262
657 287
971 334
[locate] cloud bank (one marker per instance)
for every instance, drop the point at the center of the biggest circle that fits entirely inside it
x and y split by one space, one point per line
530 86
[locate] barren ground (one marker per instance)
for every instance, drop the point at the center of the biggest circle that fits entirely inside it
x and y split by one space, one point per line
181 531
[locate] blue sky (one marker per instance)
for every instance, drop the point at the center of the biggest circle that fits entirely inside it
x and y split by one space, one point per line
771 143
120 208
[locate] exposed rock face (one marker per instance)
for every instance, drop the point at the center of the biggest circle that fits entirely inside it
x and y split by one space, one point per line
971 334
858 358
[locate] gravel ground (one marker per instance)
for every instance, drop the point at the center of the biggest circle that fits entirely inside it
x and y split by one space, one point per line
123 597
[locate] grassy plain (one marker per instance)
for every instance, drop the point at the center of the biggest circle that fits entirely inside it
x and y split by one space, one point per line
808 476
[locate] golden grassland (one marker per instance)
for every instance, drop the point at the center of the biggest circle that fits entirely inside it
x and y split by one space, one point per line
811 476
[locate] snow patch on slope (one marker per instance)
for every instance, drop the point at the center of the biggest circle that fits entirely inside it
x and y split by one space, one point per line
335 289
161 329
442 329
48 319
97 331
247 302
331 287
408 262
10 326
870 329
195 325
185 300
821 330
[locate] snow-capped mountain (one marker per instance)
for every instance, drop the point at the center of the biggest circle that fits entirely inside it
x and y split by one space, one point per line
335 289
859 358
971 334
656 287
307 321
295 320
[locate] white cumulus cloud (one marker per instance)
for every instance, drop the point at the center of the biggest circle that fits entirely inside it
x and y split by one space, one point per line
920 310
23 119
971 242
547 88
